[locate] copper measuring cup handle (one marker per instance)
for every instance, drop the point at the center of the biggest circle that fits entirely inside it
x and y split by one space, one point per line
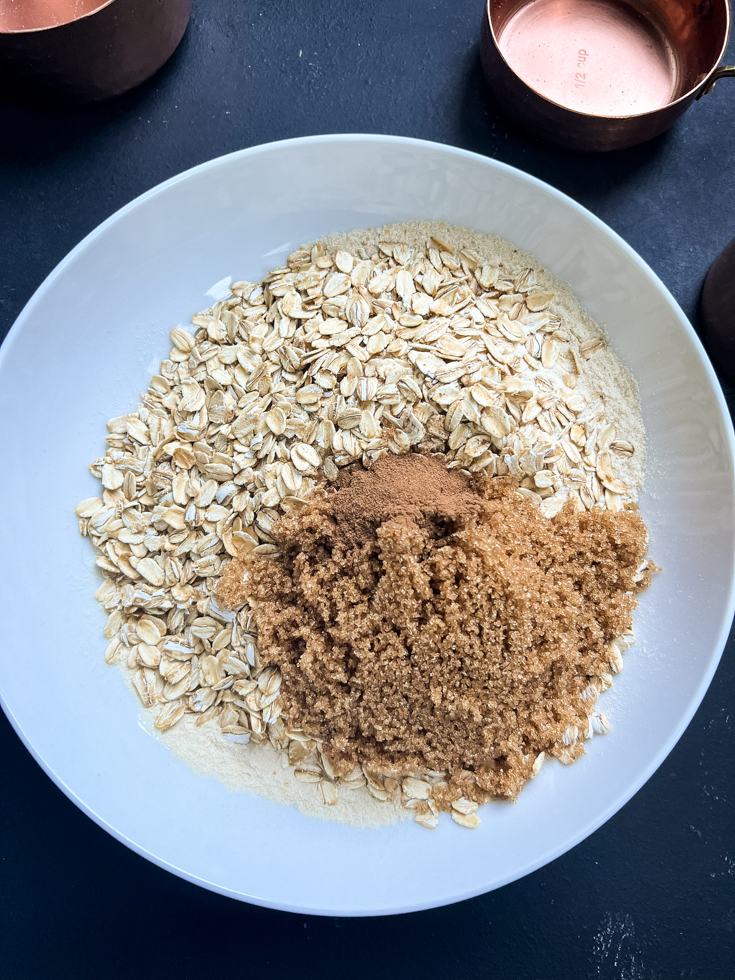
724 71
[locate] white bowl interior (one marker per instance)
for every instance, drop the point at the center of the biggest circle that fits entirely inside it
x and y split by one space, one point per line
85 346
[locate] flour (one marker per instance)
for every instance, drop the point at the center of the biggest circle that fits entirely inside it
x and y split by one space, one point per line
259 770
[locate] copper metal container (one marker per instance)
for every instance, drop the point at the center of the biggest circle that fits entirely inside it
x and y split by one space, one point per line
72 51
718 312
602 74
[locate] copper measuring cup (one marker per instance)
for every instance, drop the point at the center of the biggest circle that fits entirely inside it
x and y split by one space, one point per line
74 51
602 74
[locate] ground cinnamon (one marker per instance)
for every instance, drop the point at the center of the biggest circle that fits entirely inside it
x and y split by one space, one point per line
410 489
425 621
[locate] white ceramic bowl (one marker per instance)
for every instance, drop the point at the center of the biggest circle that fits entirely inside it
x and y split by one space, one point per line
86 344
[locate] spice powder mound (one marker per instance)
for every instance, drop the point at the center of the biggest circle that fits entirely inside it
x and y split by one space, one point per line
429 622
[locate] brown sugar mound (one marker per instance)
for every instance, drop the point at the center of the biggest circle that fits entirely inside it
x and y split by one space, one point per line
423 621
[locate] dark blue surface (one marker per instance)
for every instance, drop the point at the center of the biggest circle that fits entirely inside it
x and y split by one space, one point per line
651 895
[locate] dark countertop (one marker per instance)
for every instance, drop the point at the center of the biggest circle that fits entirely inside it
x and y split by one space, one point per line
651 895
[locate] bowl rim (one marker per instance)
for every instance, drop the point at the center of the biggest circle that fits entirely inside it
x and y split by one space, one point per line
696 696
